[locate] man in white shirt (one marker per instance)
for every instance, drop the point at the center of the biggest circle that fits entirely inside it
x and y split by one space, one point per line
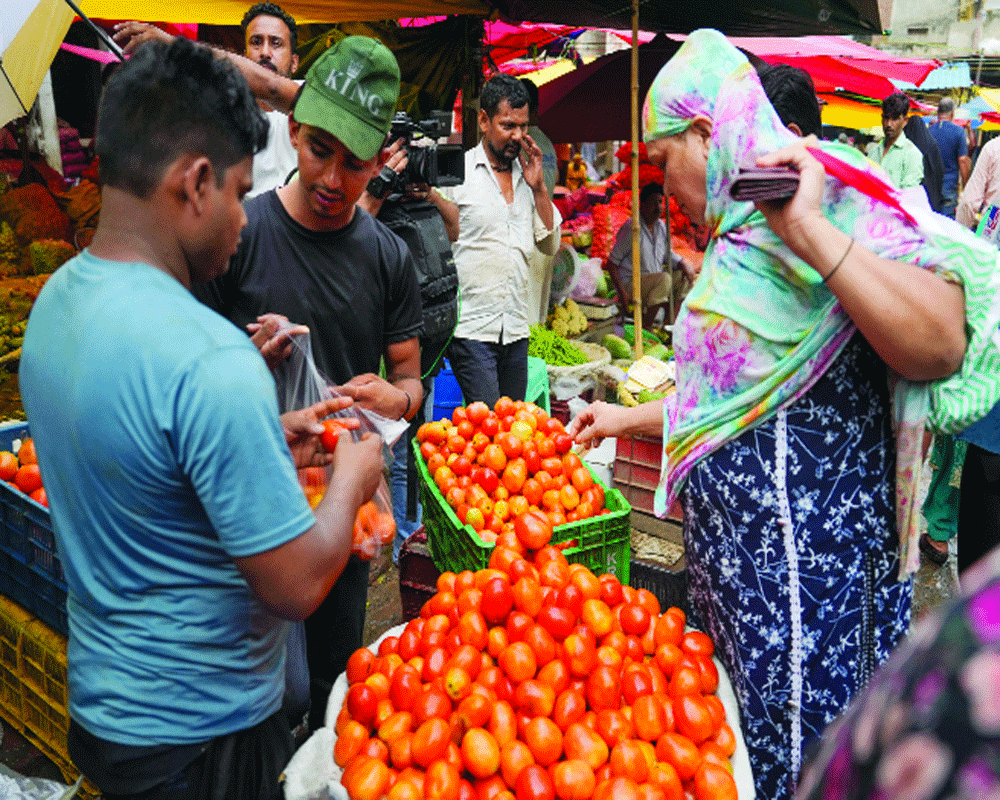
501 213
657 284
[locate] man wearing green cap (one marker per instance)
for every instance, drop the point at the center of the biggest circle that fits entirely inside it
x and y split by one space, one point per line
309 254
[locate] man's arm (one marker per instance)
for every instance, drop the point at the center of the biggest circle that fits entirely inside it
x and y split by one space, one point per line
970 204
275 90
448 211
400 394
964 165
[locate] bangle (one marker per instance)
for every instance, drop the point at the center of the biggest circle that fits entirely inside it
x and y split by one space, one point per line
409 401
836 266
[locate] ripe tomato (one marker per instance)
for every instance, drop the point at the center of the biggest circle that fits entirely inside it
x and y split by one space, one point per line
350 740
497 600
362 700
430 741
503 723
405 688
555 674
664 777
359 665
534 783
541 643
713 782
685 680
680 753
611 590
533 530
544 739
648 717
26 452
28 477
442 781
725 739
585 744
634 619
369 780
477 412
397 724
474 711
573 780
535 698
494 458
514 475
518 662
604 689
628 760
570 706
480 753
563 443
580 655
636 682
515 755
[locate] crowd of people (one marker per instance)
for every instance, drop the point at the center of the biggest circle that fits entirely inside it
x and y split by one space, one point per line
825 337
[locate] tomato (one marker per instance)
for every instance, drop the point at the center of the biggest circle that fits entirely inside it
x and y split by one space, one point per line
486 479
534 783
474 711
573 780
533 530
477 412
570 706
350 740
369 780
331 431
585 744
434 663
518 662
514 475
611 590
569 497
685 680
713 782
497 600
515 755
503 723
563 443
680 753
557 621
28 477
580 655
362 701
397 724
528 596
441 782
555 674
709 674
648 717
664 777
359 665
430 741
480 753
634 619
405 688
596 614
544 739
725 739
627 760
535 698
604 689
462 465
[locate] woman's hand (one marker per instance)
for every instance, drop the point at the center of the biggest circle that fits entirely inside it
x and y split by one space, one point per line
600 420
792 219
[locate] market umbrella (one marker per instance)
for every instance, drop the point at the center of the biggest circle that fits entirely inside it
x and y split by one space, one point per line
30 33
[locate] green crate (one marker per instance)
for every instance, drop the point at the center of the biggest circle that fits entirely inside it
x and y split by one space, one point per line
602 542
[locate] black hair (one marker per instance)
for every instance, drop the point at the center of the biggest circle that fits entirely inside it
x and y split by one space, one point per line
169 100
271 10
532 90
650 189
896 105
793 95
499 88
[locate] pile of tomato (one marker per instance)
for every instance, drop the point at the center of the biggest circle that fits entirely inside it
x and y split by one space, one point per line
492 466
20 470
534 679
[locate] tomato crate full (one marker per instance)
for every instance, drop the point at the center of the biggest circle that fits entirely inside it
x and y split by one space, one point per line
602 542
31 573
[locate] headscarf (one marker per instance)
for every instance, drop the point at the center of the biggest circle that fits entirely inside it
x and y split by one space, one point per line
759 327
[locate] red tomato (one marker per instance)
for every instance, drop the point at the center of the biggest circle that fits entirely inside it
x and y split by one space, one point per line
563 443
405 688
604 689
498 599
362 701
557 621
514 475
534 783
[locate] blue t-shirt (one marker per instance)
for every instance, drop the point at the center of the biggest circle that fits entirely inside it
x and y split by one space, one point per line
158 438
986 432
952 143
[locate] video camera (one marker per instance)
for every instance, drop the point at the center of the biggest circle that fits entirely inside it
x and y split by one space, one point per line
432 163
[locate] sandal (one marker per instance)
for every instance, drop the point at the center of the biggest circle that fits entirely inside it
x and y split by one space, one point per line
934 555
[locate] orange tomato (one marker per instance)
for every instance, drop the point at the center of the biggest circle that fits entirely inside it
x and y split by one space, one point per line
28 478
430 741
627 760
583 743
8 465
648 717
680 753
503 723
544 739
713 782
368 779
533 530
480 753
664 777
534 783
573 779
350 740
692 717
515 755
26 452
570 706
617 788
518 661
441 782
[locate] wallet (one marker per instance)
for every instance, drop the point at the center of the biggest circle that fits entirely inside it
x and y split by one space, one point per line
764 183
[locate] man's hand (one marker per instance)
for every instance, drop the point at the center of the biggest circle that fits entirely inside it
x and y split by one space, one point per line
358 465
531 164
303 428
129 35
275 347
395 159
378 395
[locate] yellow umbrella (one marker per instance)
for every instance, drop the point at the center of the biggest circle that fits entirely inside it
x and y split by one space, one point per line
30 33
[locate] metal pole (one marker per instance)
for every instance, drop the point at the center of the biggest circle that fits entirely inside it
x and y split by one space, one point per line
636 247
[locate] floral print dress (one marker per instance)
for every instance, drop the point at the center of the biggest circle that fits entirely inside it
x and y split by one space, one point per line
927 727
801 612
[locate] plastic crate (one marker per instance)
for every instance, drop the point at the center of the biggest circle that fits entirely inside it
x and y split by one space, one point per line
602 542
669 584
637 473
33 697
33 574
417 574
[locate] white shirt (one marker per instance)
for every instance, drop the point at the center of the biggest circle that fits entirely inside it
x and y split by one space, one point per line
652 250
272 164
495 243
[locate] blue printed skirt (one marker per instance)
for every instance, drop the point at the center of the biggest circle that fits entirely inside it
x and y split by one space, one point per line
792 559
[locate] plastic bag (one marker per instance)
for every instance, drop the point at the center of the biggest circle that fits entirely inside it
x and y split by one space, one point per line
299 385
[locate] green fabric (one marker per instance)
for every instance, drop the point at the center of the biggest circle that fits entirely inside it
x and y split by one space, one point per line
941 504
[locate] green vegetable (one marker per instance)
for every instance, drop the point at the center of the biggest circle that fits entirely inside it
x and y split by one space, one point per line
617 346
646 395
658 351
554 349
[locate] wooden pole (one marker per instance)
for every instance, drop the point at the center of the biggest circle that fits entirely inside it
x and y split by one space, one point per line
636 246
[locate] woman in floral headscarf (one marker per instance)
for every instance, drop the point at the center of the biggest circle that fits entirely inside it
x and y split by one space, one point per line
819 329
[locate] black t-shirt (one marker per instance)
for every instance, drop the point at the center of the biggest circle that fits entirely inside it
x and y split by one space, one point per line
356 288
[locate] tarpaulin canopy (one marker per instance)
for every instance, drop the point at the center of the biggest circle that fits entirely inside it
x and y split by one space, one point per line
843 112
759 18
30 34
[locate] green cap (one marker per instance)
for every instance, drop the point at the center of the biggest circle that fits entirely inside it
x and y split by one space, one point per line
351 92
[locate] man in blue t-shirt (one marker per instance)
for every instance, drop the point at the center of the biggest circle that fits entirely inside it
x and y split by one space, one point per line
186 539
953 145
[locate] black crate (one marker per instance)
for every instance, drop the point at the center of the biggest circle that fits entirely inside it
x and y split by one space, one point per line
417 574
669 584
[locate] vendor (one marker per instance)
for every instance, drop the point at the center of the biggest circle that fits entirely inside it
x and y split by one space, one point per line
800 525
576 172
657 283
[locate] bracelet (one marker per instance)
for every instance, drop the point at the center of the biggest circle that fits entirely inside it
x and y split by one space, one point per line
836 266
409 401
